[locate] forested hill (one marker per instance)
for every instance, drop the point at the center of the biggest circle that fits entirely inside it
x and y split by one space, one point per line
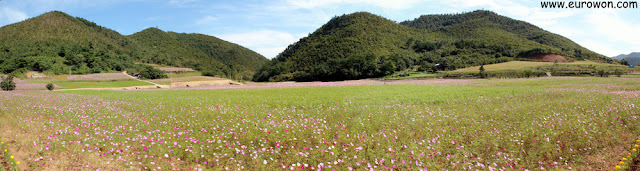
631 59
364 45
57 43
483 25
198 51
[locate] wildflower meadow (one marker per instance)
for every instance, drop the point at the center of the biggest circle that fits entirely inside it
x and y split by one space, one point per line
583 123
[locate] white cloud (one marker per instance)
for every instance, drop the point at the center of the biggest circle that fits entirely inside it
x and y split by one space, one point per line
609 26
392 4
601 30
259 38
48 5
602 48
266 42
505 7
206 20
270 52
183 3
533 14
12 15
547 18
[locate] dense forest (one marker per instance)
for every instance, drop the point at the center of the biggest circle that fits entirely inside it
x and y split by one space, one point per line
363 45
198 51
56 43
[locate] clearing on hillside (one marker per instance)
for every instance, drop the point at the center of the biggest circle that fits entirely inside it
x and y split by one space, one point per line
549 57
511 65
176 69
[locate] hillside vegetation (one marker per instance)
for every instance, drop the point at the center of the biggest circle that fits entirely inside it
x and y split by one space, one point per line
57 43
631 59
363 45
198 51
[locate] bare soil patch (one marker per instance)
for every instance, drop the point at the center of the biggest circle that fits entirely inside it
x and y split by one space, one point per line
100 77
176 69
549 58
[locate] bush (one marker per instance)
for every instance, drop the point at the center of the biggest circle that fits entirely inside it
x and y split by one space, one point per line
618 72
7 83
152 73
482 74
50 87
209 73
603 73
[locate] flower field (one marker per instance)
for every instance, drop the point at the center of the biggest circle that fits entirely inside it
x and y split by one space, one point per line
581 123
100 77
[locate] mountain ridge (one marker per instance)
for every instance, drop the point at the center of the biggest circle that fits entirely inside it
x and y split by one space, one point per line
56 42
632 58
364 45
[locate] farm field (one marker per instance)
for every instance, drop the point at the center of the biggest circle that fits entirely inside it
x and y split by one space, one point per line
557 123
100 80
515 65
167 81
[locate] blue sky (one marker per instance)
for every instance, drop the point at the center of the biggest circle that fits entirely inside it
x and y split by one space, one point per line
269 26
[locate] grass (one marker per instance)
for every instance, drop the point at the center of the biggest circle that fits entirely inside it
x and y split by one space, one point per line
406 75
511 65
185 74
631 75
520 69
62 81
184 78
584 123
518 65
99 84
69 84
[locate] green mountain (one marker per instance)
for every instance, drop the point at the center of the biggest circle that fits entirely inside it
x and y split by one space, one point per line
632 58
363 45
58 43
479 26
197 51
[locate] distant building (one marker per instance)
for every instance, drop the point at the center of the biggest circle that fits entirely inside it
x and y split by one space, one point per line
137 74
440 67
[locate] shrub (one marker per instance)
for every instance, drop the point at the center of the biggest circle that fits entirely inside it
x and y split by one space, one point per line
50 87
152 73
618 72
209 73
7 83
482 74
603 73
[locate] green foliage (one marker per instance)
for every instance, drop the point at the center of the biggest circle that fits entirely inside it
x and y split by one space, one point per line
7 83
50 86
152 73
59 44
618 72
603 73
201 52
482 74
448 41
624 62
504 34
